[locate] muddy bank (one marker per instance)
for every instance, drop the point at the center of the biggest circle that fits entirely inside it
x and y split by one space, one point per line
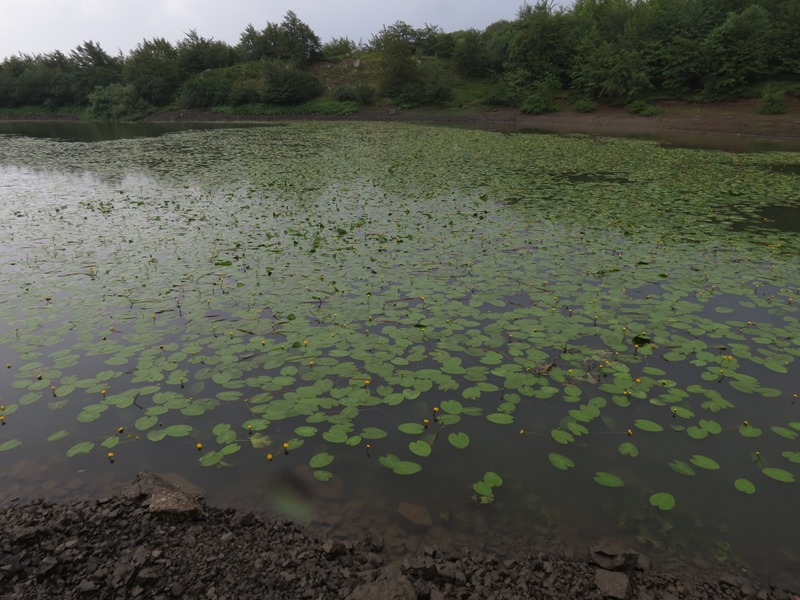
730 118
153 540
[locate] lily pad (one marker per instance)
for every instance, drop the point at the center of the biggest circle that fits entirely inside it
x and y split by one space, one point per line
778 474
458 440
323 459
663 501
608 479
559 461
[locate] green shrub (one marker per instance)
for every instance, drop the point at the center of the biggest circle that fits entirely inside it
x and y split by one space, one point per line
432 87
772 103
285 84
538 103
503 93
640 107
313 107
338 49
363 93
116 102
205 90
584 105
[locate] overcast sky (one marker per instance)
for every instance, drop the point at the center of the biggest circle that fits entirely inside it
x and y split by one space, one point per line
39 26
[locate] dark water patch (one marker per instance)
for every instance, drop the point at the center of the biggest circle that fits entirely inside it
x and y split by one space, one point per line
777 218
783 168
71 131
599 177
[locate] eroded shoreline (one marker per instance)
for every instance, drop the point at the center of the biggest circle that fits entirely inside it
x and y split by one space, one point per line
152 540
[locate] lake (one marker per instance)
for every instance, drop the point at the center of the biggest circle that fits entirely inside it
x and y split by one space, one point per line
455 336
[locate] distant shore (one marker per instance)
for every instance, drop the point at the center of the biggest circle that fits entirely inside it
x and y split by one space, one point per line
737 118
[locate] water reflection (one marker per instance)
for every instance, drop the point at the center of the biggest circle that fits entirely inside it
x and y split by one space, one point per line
90 131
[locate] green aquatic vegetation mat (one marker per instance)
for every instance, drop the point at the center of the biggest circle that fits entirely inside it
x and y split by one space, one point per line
412 294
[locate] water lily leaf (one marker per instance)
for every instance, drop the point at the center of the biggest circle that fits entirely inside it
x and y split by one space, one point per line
784 432
792 456
500 418
230 449
663 501
628 449
683 413
405 467
778 474
608 479
559 461
561 436
323 475
459 440
452 406
335 436
681 467
710 426
323 459
482 488
373 433
697 433
145 423
81 448
58 435
13 443
110 442
647 425
749 431
260 441
493 479
306 431
420 448
178 430
209 459
745 486
224 433
704 462
412 428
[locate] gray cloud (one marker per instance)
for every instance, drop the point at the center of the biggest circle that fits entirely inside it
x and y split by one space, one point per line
37 26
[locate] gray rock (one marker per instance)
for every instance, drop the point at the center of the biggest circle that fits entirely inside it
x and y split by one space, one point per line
164 499
613 558
399 588
333 548
612 584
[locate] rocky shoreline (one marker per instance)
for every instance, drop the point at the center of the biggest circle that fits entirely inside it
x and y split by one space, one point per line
155 541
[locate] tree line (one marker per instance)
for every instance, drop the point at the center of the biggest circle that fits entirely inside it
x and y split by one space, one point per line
594 50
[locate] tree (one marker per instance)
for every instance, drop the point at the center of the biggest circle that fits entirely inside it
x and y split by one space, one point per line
116 102
152 68
288 84
93 67
469 53
292 40
197 54
737 52
300 44
398 65
542 42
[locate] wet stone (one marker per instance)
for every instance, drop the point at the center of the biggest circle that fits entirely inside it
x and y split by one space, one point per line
612 584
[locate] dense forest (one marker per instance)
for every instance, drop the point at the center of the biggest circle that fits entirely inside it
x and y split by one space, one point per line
620 51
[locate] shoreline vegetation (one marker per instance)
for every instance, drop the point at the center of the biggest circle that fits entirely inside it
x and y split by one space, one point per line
657 58
152 539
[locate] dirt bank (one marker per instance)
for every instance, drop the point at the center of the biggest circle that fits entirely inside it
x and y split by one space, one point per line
152 540
731 118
